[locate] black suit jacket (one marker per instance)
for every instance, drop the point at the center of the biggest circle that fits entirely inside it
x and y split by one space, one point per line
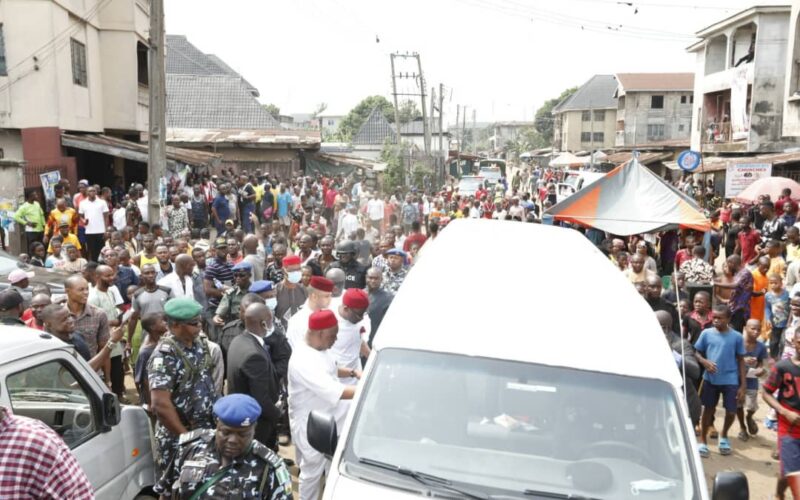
250 371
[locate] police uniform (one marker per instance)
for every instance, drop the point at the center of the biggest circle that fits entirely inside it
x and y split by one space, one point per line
355 275
187 373
228 308
196 470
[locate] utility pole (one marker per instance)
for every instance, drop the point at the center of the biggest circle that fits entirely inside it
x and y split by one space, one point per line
441 121
157 150
464 124
426 128
394 94
458 136
433 110
474 139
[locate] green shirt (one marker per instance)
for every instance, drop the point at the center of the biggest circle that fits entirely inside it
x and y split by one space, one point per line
30 216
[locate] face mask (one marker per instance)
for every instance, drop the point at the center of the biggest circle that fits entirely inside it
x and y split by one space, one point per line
269 329
272 303
294 276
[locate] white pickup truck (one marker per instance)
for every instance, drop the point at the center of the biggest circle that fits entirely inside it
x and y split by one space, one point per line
43 378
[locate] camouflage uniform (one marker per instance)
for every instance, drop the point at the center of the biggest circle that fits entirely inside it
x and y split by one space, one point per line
228 308
393 280
186 372
258 473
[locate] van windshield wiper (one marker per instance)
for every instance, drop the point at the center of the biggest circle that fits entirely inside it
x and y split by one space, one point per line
553 494
426 479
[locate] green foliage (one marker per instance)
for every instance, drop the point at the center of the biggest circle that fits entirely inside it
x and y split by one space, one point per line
420 173
408 111
543 122
319 109
394 175
272 109
359 114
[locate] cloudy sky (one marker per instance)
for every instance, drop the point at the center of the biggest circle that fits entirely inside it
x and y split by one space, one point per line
500 57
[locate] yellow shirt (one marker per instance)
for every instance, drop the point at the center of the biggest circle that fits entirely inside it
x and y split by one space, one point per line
70 238
792 252
259 192
777 266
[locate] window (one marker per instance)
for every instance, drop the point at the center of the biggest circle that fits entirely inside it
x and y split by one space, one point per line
655 132
79 76
3 67
141 64
600 116
680 128
691 99
586 116
599 137
586 137
683 99
331 123
52 394
657 102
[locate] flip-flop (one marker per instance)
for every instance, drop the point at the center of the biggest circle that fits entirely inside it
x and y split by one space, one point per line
743 436
724 446
752 427
702 450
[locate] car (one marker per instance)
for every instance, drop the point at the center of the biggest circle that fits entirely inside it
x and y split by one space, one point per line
530 395
53 278
574 182
491 174
469 185
41 377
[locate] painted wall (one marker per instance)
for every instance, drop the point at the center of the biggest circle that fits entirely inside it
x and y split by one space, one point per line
791 106
676 117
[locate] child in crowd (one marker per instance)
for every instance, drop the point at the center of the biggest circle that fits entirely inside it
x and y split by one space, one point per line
153 327
755 353
720 350
776 313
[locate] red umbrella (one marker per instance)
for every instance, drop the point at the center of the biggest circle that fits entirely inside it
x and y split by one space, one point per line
773 186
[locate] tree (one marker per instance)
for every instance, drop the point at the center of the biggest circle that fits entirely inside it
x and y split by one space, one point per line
543 122
319 109
272 109
408 112
359 114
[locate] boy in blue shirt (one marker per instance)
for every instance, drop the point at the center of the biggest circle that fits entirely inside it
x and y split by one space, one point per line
777 313
720 350
755 354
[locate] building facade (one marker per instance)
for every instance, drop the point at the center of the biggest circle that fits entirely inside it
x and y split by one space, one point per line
586 120
653 108
742 85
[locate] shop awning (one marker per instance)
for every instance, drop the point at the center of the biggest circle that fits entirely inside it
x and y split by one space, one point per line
134 151
334 164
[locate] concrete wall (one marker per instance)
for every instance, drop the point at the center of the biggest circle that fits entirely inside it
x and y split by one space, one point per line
573 125
11 144
639 114
791 106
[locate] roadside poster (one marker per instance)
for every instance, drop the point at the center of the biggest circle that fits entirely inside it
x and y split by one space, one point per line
740 175
49 181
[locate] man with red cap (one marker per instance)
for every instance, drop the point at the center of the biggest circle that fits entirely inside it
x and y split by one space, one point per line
314 385
354 329
290 293
319 297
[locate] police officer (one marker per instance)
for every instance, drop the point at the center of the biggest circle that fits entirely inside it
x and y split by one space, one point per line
355 275
227 462
232 329
228 308
180 373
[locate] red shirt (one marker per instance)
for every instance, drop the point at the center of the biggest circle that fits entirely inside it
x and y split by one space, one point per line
412 238
31 323
747 242
682 256
330 198
785 378
779 205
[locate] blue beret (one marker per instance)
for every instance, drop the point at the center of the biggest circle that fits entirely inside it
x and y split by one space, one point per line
237 410
261 286
182 308
395 251
243 266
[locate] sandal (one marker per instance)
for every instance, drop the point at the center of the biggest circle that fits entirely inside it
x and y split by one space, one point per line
713 434
752 427
743 436
702 450
724 446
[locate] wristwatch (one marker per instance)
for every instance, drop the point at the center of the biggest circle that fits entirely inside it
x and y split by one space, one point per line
111 345
353 372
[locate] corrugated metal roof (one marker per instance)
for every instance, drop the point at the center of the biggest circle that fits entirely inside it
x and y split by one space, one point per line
720 163
632 82
183 58
214 101
305 139
597 93
375 130
136 151
644 158
416 127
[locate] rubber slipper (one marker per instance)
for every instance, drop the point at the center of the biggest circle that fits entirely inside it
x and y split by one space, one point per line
724 446
752 427
743 436
702 450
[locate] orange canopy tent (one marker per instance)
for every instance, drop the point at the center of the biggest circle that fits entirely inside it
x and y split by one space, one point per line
631 199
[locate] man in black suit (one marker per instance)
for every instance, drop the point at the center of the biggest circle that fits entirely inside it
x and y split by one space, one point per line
251 372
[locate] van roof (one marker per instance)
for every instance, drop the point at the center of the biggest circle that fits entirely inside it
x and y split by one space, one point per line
18 342
529 293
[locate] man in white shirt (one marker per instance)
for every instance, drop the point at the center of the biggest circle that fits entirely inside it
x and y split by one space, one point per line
354 329
119 218
94 214
105 296
375 210
314 385
180 281
348 225
319 297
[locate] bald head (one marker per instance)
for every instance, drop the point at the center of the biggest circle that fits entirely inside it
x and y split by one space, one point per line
338 277
74 281
184 264
665 320
250 244
257 318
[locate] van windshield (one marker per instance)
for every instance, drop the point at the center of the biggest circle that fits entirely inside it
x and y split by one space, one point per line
506 427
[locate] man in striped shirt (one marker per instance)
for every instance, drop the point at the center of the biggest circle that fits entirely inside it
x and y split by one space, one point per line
35 462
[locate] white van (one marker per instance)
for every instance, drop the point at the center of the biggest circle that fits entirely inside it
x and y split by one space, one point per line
546 377
574 182
43 378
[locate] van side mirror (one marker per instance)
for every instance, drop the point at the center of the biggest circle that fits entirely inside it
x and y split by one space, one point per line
111 410
322 433
730 486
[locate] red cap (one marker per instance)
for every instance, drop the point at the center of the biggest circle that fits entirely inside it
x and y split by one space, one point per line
292 260
321 320
321 284
355 298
